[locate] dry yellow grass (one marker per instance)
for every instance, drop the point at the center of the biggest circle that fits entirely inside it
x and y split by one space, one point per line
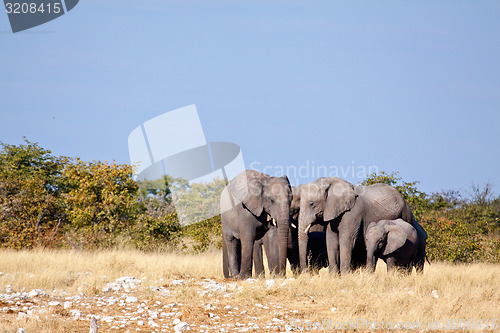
444 294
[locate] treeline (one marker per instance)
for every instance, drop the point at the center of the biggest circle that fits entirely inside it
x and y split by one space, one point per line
59 202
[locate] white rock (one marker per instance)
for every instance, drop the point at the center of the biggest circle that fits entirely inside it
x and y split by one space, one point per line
178 282
333 309
269 283
36 293
54 303
153 324
140 323
434 294
67 305
176 321
21 330
75 313
22 315
288 328
182 327
131 299
228 307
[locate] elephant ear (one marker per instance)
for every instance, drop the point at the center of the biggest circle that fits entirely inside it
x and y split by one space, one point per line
340 197
246 188
396 237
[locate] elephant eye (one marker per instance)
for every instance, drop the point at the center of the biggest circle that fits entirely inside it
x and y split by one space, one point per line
311 203
272 200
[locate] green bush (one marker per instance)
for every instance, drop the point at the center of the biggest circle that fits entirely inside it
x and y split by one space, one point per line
32 208
157 226
205 234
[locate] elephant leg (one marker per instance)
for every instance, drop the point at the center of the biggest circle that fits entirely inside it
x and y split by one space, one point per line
420 259
258 259
391 264
233 255
332 246
246 257
225 259
348 233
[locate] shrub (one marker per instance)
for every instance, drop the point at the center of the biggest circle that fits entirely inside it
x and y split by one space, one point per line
31 205
157 226
205 234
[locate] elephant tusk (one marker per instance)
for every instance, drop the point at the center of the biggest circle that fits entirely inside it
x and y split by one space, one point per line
273 222
293 225
307 229
268 218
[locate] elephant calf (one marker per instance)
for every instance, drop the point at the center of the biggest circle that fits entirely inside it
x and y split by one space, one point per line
398 243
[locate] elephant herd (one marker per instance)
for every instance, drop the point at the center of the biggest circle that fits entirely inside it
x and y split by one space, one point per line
326 223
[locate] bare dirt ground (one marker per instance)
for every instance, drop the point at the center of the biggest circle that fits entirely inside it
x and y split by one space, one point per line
136 292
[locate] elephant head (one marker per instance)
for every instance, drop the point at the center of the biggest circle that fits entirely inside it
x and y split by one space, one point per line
324 199
267 198
385 237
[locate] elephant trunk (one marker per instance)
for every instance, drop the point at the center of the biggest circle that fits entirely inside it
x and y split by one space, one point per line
371 259
303 239
283 230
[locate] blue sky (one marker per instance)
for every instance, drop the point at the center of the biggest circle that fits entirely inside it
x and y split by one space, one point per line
409 87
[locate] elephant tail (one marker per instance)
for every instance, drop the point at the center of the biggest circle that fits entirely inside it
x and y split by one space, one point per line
427 258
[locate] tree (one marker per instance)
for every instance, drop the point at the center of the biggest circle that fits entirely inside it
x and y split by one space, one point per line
101 201
31 205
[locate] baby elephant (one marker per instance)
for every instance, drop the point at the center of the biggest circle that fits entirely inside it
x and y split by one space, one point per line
397 243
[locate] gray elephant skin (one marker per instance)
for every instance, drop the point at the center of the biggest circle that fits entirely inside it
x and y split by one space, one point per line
346 211
317 257
396 242
316 253
249 204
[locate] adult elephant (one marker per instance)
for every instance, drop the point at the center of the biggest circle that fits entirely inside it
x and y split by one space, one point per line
316 254
249 204
346 210
270 244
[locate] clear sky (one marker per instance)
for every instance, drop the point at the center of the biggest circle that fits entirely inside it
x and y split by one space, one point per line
405 86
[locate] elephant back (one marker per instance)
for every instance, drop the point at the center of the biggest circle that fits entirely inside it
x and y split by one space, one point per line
387 201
